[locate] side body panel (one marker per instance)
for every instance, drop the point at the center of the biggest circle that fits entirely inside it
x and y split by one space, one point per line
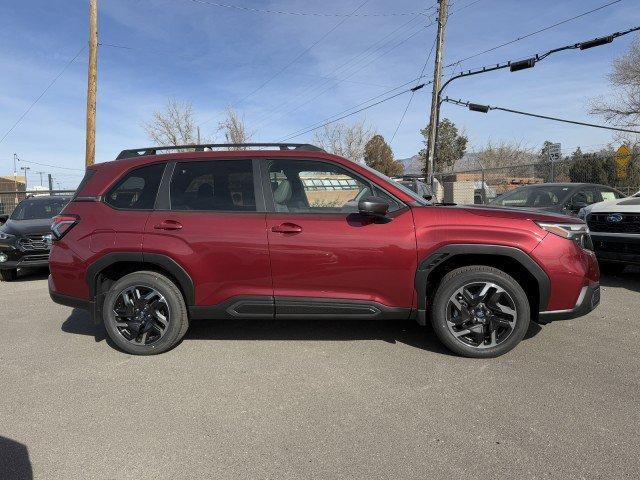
101 230
345 256
224 253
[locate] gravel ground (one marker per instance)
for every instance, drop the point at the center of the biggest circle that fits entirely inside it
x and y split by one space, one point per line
318 399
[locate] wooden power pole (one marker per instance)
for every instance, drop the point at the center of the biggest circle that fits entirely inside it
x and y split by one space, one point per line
435 98
92 83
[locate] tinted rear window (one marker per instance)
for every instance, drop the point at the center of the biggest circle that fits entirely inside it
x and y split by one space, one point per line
219 185
138 189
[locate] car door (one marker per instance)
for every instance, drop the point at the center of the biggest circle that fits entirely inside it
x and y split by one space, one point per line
328 260
210 219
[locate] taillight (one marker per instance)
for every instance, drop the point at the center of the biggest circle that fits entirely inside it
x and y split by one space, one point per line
62 224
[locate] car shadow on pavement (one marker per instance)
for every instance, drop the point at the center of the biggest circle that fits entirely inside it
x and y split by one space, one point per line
629 279
390 331
80 323
31 274
14 460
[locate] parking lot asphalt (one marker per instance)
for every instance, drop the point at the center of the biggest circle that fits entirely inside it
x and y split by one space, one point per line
317 399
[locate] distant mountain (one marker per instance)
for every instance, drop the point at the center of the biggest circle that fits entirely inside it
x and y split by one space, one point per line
414 165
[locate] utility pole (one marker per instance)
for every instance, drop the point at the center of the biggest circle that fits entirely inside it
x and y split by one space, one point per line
435 96
15 177
92 83
40 173
26 183
50 183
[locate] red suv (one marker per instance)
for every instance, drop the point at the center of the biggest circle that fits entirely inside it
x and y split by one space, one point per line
157 238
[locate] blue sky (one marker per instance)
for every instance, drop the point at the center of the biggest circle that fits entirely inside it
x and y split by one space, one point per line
214 57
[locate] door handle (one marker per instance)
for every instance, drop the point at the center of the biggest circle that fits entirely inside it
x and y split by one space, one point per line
168 225
287 228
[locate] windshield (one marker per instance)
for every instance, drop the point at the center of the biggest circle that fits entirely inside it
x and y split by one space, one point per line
534 197
38 209
406 190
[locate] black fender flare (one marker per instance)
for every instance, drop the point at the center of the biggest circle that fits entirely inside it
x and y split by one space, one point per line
429 264
159 260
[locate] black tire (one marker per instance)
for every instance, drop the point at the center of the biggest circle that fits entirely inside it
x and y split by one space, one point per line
472 275
612 268
178 319
9 275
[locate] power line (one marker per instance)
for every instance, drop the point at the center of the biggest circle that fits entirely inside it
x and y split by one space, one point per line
351 74
424 67
487 108
413 89
297 57
301 14
55 79
544 29
344 65
51 166
365 102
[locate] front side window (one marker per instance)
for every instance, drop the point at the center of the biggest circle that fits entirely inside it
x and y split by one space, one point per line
138 189
533 197
219 185
610 195
306 186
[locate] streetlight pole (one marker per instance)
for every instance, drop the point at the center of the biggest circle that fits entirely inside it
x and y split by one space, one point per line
26 183
15 177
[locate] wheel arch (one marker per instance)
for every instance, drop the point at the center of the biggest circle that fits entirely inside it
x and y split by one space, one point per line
115 265
511 260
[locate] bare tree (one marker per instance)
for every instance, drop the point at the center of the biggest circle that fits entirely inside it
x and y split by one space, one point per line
345 140
506 154
174 125
623 106
233 127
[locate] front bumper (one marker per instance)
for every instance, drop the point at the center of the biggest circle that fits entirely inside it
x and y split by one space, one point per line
19 259
588 300
617 248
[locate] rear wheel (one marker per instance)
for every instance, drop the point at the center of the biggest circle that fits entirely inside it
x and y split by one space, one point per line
9 275
144 313
480 311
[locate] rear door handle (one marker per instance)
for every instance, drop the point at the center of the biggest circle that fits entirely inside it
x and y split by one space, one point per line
168 225
287 228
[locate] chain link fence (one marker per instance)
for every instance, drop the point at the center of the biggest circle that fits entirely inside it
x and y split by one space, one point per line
9 199
480 186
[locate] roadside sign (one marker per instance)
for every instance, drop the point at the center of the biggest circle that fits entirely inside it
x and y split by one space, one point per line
555 152
622 159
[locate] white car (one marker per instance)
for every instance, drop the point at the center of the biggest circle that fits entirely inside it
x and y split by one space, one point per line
615 231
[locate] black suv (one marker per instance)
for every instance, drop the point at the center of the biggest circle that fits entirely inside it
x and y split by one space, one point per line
23 239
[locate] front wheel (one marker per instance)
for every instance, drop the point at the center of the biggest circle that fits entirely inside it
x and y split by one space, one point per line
480 311
144 313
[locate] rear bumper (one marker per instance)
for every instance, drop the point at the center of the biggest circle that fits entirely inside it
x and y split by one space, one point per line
588 300
68 301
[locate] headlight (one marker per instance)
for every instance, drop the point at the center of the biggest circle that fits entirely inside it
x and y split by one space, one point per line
6 236
578 232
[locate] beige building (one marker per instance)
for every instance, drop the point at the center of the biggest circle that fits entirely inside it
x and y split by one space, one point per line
8 184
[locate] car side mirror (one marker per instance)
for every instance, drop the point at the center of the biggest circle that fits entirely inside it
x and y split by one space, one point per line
428 197
373 206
